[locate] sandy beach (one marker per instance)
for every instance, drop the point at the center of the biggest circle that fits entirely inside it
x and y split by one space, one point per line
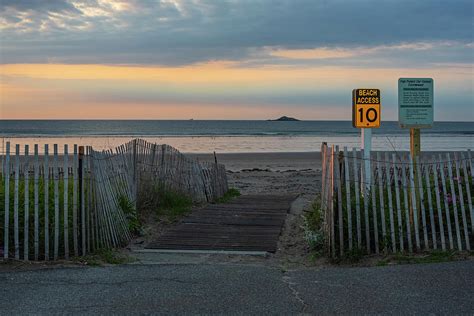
268 173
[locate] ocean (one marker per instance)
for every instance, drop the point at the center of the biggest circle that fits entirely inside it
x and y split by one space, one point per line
199 136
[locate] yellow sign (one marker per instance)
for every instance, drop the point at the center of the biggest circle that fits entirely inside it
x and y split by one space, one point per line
366 108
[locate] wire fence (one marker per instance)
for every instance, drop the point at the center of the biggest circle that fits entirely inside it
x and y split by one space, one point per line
394 203
60 204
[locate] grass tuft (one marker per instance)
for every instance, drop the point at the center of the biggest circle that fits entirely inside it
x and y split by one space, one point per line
131 214
172 204
229 195
103 256
313 228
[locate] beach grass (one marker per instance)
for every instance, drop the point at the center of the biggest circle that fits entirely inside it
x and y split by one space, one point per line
42 203
228 196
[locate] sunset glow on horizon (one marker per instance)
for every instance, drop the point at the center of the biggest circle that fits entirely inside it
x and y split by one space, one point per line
117 60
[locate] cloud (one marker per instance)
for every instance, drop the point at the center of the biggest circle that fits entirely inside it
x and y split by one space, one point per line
172 32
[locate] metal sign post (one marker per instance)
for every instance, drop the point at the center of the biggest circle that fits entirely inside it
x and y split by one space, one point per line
366 137
366 115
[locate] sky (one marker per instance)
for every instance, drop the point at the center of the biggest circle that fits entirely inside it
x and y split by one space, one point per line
235 59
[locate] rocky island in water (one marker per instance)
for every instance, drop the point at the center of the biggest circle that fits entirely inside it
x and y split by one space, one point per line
285 119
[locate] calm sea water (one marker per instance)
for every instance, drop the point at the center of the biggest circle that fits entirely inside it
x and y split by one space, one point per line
232 136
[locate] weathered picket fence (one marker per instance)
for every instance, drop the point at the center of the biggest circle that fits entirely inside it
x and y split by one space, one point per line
408 205
166 167
69 204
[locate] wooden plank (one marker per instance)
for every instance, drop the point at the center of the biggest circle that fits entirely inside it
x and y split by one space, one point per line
46 202
430 206
26 221
357 198
422 201
390 201
414 204
461 203
407 207
438 203
454 202
381 197
348 197
16 230
340 223
399 209
468 191
251 231
56 201
66 202
36 204
446 205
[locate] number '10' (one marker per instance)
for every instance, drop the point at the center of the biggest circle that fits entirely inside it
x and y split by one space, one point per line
368 115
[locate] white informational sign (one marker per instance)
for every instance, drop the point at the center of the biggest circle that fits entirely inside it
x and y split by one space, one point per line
415 102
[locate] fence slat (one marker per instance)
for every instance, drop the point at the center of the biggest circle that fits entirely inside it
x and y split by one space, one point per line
454 202
468 191
56 201
16 231
397 203
373 193
438 204
422 201
323 171
461 203
446 205
414 204
357 198
407 207
66 201
381 198
339 202
82 185
46 202
74 202
430 207
366 193
331 201
390 202
348 197
7 201
26 221
36 202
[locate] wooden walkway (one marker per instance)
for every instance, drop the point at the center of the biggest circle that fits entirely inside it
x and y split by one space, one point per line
247 223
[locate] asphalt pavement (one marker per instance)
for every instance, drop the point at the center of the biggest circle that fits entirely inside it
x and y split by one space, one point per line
444 288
